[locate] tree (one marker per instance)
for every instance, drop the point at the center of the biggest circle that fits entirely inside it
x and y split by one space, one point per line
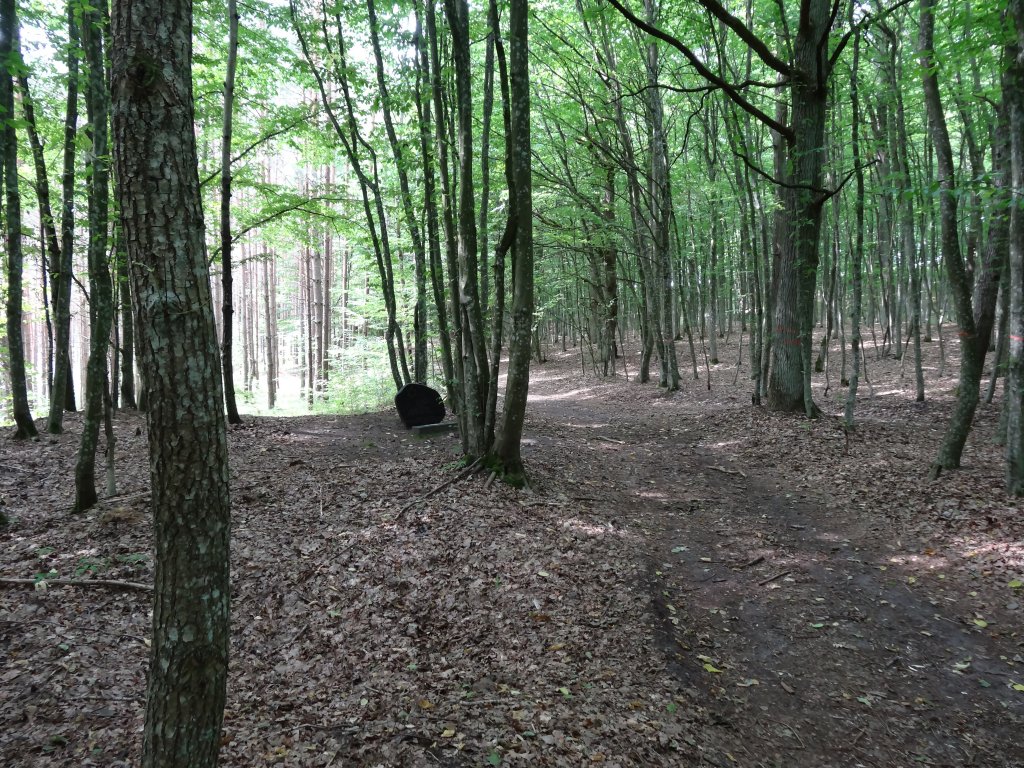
972 317
161 211
507 448
228 306
101 307
9 158
1013 94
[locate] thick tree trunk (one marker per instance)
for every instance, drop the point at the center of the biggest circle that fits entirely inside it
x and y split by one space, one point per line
153 119
789 386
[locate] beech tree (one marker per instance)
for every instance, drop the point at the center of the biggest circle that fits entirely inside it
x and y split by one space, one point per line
162 218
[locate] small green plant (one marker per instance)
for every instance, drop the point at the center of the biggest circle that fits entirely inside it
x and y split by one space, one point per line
43 576
133 558
90 565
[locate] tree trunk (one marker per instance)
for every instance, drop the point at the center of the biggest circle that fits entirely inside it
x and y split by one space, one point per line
507 446
1013 96
62 398
857 257
9 158
227 281
101 308
789 386
971 358
431 216
153 119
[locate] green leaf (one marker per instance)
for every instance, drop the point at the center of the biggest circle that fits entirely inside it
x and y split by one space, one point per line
1016 584
494 759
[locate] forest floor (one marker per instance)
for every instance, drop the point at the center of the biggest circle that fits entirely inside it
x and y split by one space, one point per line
689 581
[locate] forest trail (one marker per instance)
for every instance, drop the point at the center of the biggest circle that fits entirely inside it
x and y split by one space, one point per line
690 582
803 624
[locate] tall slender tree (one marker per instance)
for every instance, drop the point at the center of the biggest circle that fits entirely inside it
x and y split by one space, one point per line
9 158
227 301
101 306
1013 95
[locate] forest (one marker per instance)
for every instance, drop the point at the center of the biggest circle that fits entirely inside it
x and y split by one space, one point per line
725 305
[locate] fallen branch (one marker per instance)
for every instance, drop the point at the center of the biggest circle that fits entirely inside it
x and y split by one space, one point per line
728 471
755 561
111 583
770 579
611 440
462 475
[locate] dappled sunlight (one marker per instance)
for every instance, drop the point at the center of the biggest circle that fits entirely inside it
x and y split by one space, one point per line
591 528
576 394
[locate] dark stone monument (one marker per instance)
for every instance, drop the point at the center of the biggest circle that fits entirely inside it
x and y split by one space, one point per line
418 404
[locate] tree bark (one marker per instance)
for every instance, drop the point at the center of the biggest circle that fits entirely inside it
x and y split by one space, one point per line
227 278
956 271
161 210
1013 96
9 157
101 308
507 446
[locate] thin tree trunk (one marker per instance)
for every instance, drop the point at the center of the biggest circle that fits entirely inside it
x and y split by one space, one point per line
1013 96
101 307
227 276
507 445
9 157
62 398
857 257
956 272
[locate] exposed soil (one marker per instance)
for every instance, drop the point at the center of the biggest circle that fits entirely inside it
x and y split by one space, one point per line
689 581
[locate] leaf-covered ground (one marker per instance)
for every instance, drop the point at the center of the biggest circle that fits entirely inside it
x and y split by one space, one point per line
689 581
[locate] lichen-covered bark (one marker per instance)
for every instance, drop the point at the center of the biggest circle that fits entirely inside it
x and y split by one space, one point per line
155 158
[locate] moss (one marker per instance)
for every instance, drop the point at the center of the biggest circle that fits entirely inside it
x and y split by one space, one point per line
511 474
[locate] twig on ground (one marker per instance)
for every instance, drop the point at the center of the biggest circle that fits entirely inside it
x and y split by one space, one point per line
770 579
112 583
464 474
755 561
729 471
611 440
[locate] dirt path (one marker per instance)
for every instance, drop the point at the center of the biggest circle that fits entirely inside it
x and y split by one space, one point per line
802 624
